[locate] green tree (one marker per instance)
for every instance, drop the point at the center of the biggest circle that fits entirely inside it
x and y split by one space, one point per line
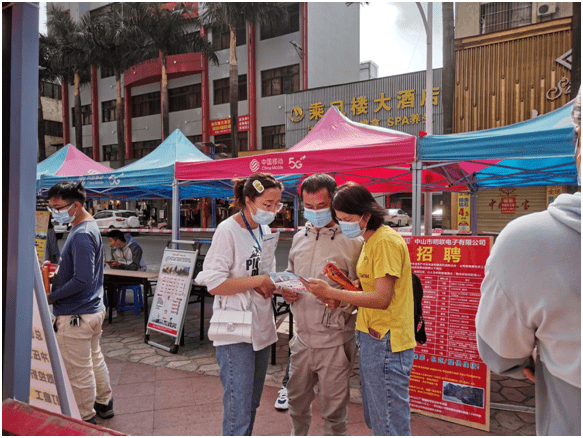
164 32
70 58
231 15
113 42
47 48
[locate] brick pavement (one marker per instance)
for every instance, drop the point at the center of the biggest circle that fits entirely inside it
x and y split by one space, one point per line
157 393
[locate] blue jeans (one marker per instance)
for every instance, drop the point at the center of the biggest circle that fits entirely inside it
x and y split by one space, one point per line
384 380
242 373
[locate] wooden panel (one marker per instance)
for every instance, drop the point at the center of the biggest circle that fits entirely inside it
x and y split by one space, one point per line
500 80
528 200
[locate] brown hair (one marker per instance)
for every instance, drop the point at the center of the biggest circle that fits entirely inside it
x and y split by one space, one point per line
252 187
353 198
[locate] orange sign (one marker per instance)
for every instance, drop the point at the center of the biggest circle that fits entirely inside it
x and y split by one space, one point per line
508 205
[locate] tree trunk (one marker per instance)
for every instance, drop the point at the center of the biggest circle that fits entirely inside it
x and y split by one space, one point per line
121 155
42 155
448 73
78 118
164 99
234 90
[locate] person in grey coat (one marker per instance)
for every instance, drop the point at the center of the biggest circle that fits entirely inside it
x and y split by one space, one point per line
529 318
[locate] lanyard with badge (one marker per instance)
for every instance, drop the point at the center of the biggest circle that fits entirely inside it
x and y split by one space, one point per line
251 231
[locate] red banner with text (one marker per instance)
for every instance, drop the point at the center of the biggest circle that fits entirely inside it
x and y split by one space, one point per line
223 126
449 380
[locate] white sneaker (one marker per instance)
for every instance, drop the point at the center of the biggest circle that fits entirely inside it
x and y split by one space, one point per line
281 402
114 313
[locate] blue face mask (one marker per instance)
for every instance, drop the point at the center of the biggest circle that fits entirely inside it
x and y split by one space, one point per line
263 217
318 218
351 230
62 217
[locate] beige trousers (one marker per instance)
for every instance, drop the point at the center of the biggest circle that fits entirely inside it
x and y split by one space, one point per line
330 369
84 362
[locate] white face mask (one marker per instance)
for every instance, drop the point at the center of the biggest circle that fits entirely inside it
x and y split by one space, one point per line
318 218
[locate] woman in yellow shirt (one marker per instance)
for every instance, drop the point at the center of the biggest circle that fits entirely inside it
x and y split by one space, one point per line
385 327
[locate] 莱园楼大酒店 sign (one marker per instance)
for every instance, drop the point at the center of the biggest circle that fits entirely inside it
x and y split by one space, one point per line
449 380
395 102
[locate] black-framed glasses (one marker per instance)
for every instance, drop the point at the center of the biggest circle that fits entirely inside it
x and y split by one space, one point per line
60 209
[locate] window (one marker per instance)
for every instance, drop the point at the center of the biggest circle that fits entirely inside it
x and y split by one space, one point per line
85 115
222 37
280 80
495 17
184 48
226 140
106 72
273 137
143 148
146 104
110 152
88 151
195 138
290 23
50 90
222 92
53 129
104 214
108 111
183 98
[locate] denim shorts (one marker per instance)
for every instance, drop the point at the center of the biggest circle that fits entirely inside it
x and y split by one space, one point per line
384 379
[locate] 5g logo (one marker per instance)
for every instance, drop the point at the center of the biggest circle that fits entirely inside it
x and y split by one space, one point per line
296 164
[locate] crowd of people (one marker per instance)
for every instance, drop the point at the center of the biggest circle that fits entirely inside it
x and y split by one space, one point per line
528 321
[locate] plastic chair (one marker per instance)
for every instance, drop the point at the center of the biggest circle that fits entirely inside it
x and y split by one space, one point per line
138 299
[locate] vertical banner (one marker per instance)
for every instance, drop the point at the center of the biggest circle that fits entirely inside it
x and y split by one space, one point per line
449 380
41 227
463 212
553 192
172 292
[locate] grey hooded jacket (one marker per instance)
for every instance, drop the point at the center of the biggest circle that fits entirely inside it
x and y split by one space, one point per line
531 296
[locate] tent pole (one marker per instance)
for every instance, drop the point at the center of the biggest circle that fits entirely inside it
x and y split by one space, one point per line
474 212
214 211
176 210
427 215
416 168
296 213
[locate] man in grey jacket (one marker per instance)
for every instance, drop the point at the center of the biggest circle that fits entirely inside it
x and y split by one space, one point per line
324 347
529 318
125 252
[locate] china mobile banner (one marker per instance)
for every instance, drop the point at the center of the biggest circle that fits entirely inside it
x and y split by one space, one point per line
449 380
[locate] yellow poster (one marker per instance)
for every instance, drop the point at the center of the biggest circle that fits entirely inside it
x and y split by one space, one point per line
553 192
41 227
463 212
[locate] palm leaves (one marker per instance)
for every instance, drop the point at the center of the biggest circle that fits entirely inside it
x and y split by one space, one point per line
232 14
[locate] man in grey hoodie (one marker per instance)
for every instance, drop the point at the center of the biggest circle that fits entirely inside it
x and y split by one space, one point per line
529 319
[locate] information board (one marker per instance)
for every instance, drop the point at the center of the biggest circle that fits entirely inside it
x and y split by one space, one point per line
41 227
172 291
449 380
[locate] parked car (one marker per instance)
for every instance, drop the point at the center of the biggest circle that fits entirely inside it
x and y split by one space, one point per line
116 219
436 218
397 217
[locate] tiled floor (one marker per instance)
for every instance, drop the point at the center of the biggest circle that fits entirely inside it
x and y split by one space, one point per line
158 393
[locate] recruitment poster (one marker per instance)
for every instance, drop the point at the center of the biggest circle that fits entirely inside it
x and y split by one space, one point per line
449 380
463 212
171 297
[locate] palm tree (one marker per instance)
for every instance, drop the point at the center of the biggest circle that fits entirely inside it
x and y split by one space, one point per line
70 58
113 40
164 33
231 15
448 81
47 48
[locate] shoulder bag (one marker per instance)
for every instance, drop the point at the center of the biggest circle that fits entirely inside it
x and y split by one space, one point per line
230 325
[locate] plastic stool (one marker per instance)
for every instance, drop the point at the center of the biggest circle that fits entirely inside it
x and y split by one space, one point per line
138 299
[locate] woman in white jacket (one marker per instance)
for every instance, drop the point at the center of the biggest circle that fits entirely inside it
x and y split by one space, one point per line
231 273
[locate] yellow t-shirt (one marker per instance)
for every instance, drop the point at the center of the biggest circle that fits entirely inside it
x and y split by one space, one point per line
386 253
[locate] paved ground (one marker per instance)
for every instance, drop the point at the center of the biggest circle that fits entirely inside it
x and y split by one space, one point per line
158 393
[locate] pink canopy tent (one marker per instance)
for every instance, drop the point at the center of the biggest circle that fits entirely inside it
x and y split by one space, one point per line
336 145
69 161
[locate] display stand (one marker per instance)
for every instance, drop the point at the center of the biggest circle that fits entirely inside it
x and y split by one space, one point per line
168 309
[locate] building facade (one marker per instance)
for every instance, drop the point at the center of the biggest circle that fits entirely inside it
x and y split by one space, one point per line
307 50
512 63
52 110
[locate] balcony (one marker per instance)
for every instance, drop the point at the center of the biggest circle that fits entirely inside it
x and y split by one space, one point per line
150 71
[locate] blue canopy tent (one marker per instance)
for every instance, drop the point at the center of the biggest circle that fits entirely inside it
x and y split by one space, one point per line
536 152
152 177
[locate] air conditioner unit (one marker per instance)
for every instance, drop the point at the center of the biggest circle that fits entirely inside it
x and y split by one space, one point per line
544 9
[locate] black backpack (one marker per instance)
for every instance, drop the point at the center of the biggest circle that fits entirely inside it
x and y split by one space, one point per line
420 335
